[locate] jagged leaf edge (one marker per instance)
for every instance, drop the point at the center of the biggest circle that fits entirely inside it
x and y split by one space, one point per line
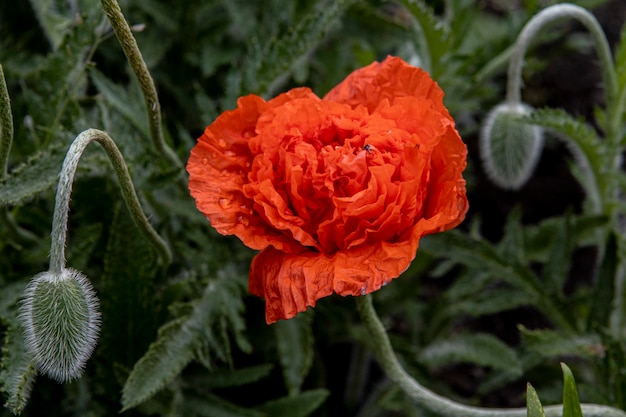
17 370
294 339
176 345
300 405
37 175
480 348
267 64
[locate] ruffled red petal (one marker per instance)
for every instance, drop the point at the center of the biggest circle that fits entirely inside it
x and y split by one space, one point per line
336 192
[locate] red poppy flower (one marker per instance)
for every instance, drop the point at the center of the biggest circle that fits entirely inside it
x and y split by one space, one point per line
335 192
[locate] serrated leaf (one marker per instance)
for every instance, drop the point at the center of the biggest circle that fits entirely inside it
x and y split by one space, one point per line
557 267
54 24
582 230
300 405
17 370
434 35
8 298
212 406
585 145
166 357
29 179
604 287
491 301
512 244
233 378
571 403
481 349
269 63
183 339
130 106
551 343
620 60
479 254
533 404
294 339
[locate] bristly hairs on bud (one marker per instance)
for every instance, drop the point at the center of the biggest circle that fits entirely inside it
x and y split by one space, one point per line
510 147
60 317
59 309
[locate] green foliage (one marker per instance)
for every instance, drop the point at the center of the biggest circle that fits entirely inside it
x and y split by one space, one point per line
31 178
294 340
480 349
490 305
571 404
190 336
17 370
298 405
533 404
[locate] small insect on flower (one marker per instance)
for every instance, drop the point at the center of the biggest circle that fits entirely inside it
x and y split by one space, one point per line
367 147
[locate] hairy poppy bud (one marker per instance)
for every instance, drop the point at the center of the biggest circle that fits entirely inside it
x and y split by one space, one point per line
61 321
510 147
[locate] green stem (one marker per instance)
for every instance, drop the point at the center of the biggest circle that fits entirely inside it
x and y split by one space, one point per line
6 125
137 63
436 403
64 189
537 23
6 140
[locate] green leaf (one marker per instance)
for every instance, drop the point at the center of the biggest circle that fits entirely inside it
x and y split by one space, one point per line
620 60
294 339
585 145
480 254
557 267
181 340
604 287
17 370
234 378
582 230
29 179
571 403
434 35
299 405
165 359
131 106
552 343
533 404
490 301
269 63
212 406
8 297
512 244
55 24
481 349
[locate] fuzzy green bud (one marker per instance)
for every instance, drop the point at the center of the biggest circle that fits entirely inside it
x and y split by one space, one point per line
60 317
510 147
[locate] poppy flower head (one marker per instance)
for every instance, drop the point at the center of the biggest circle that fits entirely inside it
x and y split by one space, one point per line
335 192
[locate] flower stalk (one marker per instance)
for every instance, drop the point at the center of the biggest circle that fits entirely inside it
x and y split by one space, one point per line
539 22
6 141
613 101
64 189
6 125
433 402
135 58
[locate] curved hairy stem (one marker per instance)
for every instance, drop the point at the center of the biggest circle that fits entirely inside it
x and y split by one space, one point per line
537 23
137 63
6 125
6 140
436 403
64 189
